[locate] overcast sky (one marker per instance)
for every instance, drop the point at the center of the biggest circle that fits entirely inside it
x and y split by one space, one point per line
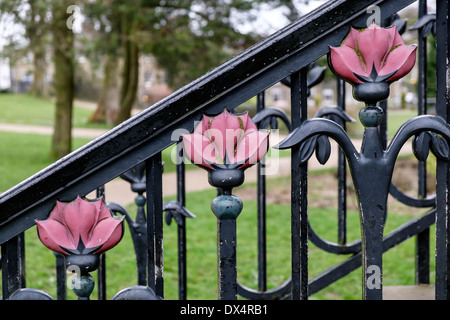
268 20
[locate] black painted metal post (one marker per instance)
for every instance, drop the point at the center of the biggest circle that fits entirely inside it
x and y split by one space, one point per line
372 181
101 272
443 172
101 278
423 238
140 239
227 208
261 196
155 224
61 291
181 230
227 269
299 185
13 265
342 171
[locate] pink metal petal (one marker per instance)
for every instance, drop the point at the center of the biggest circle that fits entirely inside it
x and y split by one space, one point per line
346 63
248 124
57 212
401 59
232 138
374 44
106 233
90 221
252 148
196 148
79 217
349 41
203 125
54 235
102 209
398 40
382 48
232 121
113 239
217 142
221 122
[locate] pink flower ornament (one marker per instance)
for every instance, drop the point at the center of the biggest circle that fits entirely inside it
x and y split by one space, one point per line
372 56
81 227
226 141
226 145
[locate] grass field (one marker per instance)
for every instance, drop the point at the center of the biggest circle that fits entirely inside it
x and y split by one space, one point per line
26 109
23 155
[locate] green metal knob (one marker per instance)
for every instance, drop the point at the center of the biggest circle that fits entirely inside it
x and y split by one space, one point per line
226 207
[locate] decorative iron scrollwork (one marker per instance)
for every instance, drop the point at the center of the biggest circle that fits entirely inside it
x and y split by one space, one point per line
373 163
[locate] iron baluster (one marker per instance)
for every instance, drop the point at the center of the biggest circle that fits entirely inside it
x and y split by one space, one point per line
299 185
101 272
61 291
342 170
442 172
261 203
422 255
181 229
226 256
13 265
155 225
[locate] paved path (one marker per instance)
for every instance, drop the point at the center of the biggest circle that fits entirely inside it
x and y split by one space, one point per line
119 190
77 132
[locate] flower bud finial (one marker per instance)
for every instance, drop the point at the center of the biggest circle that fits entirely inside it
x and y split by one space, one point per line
80 227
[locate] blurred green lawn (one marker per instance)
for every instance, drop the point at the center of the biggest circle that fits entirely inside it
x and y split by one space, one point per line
26 109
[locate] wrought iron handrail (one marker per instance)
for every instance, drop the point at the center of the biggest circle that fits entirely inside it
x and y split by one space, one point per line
284 55
149 132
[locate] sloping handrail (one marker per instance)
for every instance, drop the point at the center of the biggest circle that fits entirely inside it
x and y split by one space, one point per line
149 132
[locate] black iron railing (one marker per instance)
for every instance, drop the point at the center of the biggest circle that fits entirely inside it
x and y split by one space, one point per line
133 151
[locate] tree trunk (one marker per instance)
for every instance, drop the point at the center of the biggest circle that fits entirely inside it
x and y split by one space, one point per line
107 104
36 32
39 87
63 81
130 71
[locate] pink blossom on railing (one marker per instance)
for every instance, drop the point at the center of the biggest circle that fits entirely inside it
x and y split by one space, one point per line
371 52
226 139
80 227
